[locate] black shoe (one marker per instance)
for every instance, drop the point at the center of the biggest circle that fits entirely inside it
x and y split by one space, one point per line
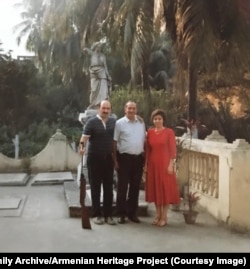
121 220
134 219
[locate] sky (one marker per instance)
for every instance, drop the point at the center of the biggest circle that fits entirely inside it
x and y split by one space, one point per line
9 17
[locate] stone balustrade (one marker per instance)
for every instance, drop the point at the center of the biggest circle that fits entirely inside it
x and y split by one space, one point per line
220 172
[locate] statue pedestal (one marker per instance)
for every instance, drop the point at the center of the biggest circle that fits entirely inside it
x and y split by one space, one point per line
83 117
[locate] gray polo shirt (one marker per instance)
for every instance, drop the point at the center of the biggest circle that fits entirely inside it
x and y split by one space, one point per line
130 136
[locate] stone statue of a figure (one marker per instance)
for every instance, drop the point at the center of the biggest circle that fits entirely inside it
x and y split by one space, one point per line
100 80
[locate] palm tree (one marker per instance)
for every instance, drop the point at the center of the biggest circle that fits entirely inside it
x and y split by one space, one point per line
209 36
69 25
31 25
129 29
52 35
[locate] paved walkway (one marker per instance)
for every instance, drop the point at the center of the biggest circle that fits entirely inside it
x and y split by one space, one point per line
41 223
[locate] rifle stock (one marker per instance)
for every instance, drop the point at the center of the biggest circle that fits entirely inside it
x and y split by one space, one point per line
85 213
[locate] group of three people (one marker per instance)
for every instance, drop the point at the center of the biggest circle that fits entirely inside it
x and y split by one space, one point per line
126 146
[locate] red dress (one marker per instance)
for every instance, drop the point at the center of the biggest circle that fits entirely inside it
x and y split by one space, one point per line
161 187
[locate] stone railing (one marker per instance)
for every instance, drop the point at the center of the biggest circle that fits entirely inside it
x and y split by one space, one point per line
56 156
220 172
204 172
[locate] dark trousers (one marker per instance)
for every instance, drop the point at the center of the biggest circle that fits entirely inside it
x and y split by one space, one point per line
128 186
101 173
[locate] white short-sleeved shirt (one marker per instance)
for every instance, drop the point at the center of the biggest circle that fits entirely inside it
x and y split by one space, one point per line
130 136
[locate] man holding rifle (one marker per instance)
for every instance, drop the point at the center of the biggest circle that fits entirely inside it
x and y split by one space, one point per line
99 131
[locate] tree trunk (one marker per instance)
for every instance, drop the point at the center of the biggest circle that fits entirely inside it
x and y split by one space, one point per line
145 77
192 91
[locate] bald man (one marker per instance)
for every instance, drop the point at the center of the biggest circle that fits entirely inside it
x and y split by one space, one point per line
99 131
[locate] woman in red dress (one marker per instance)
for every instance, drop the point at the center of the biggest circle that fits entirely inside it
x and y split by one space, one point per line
161 185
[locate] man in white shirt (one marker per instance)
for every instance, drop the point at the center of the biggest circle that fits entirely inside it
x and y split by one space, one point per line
128 153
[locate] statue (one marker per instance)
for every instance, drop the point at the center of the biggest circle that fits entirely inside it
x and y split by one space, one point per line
100 80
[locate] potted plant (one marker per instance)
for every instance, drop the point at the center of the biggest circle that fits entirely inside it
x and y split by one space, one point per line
190 201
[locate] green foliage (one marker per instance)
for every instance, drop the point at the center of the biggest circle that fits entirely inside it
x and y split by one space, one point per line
36 137
146 103
6 147
192 200
31 140
33 105
16 80
73 133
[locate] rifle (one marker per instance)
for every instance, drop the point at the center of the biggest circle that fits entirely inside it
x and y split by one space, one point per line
85 213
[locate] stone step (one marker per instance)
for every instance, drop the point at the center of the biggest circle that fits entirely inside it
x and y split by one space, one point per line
72 194
14 179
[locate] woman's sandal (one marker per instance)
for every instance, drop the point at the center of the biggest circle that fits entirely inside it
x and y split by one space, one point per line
161 223
156 220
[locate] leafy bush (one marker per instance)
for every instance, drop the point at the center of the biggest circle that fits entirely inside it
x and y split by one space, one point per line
146 103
